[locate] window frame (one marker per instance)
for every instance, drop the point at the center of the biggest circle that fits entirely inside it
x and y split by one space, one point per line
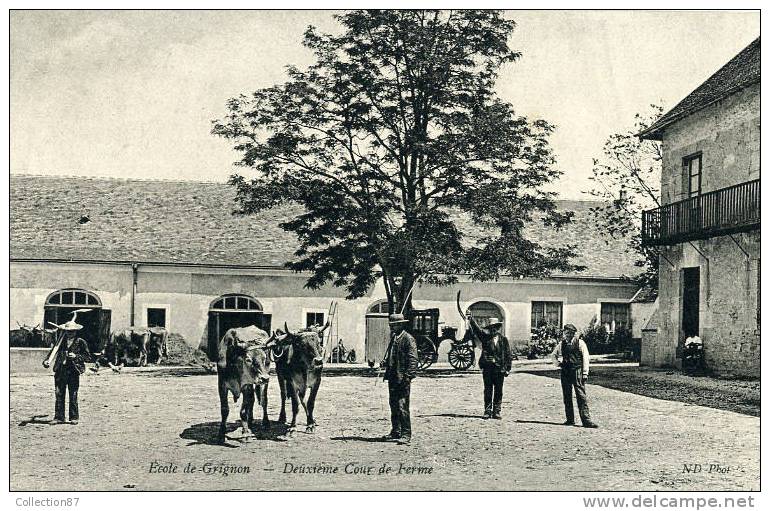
615 303
315 313
378 304
688 175
535 302
236 299
161 306
73 292
312 310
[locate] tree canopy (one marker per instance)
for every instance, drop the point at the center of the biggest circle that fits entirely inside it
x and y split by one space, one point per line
627 179
387 140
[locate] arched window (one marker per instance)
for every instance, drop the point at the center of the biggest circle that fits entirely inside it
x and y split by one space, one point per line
73 298
483 311
235 303
380 307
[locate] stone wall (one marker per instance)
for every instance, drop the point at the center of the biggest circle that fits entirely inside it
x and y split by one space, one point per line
729 283
187 292
726 133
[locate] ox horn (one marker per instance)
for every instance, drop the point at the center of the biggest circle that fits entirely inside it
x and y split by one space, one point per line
285 327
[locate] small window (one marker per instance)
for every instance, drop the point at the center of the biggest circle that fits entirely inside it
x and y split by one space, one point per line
73 297
379 308
546 313
156 317
235 303
615 315
314 318
692 166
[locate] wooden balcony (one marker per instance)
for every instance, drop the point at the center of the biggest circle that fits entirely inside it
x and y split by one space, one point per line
724 211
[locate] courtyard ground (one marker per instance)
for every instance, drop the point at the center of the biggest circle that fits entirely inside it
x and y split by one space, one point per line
136 424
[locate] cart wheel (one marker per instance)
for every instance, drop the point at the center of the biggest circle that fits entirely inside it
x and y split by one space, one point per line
461 356
426 352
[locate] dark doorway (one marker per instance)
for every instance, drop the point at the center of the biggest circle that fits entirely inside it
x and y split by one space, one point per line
221 321
690 301
91 320
156 317
59 308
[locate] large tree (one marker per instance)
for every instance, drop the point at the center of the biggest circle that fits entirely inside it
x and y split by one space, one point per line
391 141
627 179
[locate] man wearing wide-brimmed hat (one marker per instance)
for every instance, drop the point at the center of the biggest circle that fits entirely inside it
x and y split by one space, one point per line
571 354
401 367
495 364
68 356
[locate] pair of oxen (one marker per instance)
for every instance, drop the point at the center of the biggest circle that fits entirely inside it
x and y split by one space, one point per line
136 347
243 357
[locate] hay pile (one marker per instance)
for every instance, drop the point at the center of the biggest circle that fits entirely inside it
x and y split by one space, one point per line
181 354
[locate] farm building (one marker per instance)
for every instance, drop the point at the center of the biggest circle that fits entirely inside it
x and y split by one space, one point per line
707 231
172 254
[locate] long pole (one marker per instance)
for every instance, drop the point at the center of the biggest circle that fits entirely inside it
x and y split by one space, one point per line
406 299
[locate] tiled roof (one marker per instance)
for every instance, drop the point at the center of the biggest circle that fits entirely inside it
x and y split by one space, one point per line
192 223
646 294
741 71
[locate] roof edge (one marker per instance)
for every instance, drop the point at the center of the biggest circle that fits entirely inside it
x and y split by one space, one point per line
653 132
257 267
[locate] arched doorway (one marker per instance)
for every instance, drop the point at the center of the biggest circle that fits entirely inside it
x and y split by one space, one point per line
377 331
483 311
59 308
234 311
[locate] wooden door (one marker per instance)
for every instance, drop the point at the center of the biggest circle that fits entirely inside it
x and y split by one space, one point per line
213 336
377 337
105 319
690 301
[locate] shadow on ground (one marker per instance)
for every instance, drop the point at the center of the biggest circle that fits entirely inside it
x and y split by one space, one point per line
455 416
36 419
361 438
548 423
733 395
206 433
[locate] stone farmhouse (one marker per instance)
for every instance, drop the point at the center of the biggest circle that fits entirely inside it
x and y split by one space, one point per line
708 228
172 254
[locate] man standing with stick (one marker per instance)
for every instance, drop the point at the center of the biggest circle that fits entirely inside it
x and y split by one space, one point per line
401 368
67 356
495 364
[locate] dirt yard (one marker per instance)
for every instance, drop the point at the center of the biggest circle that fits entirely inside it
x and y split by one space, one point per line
148 430
742 396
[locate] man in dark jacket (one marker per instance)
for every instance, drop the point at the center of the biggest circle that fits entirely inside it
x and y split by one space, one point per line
401 368
495 364
68 356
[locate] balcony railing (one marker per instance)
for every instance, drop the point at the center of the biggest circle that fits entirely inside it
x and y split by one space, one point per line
725 211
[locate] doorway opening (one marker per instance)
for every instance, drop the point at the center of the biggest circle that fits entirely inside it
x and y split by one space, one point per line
235 311
60 306
690 302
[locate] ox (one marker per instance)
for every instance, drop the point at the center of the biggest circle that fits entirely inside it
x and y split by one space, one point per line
128 347
157 348
242 365
298 365
32 337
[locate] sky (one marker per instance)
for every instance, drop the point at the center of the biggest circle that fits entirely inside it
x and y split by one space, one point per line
132 93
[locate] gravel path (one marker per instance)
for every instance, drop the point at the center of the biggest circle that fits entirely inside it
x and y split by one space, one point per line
133 424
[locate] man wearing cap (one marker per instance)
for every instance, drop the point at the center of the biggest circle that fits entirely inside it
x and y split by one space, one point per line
571 354
68 356
401 368
495 364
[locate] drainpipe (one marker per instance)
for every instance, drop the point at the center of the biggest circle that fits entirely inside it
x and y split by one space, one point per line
134 272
